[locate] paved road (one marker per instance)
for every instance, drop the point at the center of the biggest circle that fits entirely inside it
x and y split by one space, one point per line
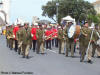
49 64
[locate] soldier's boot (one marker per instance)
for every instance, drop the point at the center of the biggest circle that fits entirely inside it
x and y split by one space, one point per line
23 54
93 52
63 48
27 57
81 60
98 56
72 50
89 61
59 51
38 49
11 46
19 51
66 53
33 49
82 56
42 49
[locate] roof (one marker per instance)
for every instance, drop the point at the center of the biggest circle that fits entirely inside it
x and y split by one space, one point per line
97 2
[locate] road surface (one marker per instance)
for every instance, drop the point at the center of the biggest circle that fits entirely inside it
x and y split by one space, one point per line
51 63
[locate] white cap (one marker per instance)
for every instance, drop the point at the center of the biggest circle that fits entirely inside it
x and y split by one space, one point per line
35 24
59 27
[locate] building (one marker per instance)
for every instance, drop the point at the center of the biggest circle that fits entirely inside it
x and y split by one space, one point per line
4 12
97 6
35 20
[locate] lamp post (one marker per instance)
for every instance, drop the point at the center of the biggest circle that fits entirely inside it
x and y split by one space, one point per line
57 4
1 3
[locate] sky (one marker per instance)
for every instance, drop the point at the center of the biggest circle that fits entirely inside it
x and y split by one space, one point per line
26 9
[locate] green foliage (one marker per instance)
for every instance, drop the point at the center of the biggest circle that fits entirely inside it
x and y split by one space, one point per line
94 18
78 9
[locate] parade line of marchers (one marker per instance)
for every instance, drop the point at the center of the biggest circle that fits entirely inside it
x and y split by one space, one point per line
23 72
22 38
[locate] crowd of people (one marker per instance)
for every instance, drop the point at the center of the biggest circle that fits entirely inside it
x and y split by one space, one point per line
41 37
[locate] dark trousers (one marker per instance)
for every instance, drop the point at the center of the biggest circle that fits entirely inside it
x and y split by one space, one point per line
34 44
75 47
56 42
38 47
53 42
16 45
48 44
11 43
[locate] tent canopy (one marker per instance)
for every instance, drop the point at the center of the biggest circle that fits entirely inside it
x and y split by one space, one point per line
68 18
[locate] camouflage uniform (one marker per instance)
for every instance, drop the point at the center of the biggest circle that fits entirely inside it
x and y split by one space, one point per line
31 38
10 32
84 41
7 36
40 40
94 43
26 39
69 43
61 40
19 35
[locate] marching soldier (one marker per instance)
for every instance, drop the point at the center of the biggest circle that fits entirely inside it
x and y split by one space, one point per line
69 41
95 46
26 38
30 27
7 36
20 39
84 41
11 37
61 38
40 40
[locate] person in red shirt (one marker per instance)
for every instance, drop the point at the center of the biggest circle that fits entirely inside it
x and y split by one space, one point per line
54 36
34 38
48 34
15 30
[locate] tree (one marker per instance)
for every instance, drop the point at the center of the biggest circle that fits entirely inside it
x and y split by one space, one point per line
93 18
78 9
